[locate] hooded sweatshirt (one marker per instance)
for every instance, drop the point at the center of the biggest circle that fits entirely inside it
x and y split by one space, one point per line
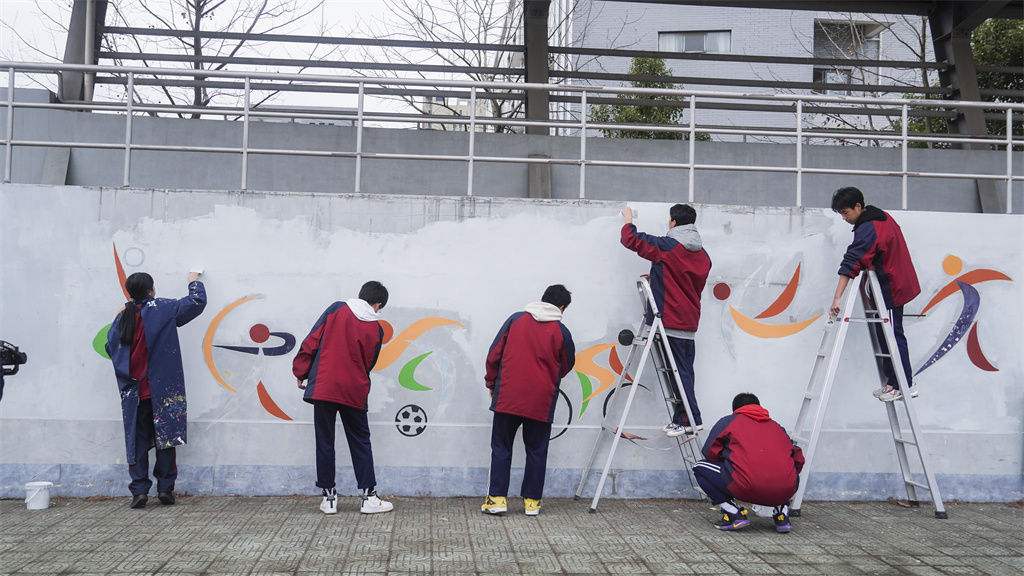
759 461
878 245
339 353
679 270
531 354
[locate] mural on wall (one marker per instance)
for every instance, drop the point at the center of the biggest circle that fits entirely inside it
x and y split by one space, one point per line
754 326
952 265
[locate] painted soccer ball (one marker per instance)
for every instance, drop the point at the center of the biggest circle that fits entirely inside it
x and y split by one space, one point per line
411 420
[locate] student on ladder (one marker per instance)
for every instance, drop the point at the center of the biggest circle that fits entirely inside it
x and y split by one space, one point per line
750 457
531 354
878 245
679 270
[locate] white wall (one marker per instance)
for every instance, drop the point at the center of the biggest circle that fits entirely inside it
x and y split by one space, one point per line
473 261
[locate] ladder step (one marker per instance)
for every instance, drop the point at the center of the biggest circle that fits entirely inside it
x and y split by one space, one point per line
918 484
902 441
880 355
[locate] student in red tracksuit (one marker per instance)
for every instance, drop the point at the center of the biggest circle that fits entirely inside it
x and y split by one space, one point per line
531 354
679 270
337 357
750 457
878 245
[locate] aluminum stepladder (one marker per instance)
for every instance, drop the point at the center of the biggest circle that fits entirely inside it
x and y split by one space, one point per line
649 341
823 376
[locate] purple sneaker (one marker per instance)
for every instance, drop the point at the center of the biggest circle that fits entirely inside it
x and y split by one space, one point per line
733 521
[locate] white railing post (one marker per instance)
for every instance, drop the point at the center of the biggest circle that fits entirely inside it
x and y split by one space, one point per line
583 143
903 152
1009 161
128 131
693 142
245 138
472 136
799 153
9 152
359 140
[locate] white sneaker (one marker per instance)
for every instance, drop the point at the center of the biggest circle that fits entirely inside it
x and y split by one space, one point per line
878 393
374 505
668 427
679 430
329 505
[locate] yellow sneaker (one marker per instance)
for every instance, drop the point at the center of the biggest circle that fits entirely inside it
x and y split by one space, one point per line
494 505
532 506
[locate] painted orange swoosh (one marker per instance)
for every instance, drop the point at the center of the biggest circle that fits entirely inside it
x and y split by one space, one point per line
585 363
208 338
784 299
394 349
120 273
762 330
972 277
268 403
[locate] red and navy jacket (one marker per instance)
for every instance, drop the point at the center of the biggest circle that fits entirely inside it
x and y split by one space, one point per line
677 276
760 461
337 357
526 364
878 245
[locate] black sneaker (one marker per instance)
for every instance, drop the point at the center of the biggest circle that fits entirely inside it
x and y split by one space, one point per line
166 498
139 500
781 518
731 521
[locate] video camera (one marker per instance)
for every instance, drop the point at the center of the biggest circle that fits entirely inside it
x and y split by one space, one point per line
10 356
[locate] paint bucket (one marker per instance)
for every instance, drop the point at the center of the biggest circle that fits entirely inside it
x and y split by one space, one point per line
37 495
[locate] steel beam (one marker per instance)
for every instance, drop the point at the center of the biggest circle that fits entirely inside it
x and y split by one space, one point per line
80 46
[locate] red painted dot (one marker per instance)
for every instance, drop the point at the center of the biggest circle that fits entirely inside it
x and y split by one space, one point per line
722 290
389 330
259 333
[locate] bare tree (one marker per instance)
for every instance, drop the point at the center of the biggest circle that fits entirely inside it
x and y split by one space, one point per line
495 22
196 16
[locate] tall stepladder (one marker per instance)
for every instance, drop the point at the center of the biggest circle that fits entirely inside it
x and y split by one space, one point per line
649 341
814 404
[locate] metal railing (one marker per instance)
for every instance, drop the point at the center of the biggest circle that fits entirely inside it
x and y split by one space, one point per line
691 128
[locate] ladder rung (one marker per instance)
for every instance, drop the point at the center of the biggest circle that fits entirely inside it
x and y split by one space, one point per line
799 439
902 441
918 484
880 355
869 320
808 396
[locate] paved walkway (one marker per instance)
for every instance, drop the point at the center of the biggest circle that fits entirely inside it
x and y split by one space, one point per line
275 535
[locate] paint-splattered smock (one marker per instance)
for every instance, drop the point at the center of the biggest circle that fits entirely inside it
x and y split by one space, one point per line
160 320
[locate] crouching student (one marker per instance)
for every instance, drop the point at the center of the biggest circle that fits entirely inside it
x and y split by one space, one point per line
531 354
337 357
750 457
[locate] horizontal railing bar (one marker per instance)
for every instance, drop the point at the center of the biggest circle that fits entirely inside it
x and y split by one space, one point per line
592 90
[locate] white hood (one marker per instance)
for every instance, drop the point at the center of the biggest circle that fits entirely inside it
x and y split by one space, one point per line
687 235
362 310
544 312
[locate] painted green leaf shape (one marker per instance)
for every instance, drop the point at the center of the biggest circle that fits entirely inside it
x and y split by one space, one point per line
100 341
587 388
407 375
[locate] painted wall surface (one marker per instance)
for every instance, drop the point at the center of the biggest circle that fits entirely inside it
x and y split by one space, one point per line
456 268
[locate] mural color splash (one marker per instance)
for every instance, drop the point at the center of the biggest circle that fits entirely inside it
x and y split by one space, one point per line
754 327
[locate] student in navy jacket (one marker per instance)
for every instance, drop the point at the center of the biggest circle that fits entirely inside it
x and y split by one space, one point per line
143 346
679 270
531 354
878 245
337 357
750 457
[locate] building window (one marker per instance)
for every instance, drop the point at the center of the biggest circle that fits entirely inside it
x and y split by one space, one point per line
704 41
846 40
833 76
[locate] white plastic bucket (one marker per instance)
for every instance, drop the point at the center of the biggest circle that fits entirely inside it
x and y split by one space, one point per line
37 495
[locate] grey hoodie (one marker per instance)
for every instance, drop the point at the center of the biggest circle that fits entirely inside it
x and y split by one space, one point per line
543 312
687 235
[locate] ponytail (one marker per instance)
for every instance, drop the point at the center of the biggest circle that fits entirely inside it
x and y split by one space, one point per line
139 286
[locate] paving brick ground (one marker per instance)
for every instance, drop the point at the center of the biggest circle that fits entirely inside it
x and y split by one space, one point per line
274 535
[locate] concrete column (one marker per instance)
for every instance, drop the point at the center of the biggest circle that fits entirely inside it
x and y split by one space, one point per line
77 50
535 40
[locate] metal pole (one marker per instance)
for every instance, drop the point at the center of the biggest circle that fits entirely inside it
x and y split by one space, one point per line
128 131
245 138
472 136
359 140
799 152
903 153
1009 161
9 152
583 143
693 139
89 78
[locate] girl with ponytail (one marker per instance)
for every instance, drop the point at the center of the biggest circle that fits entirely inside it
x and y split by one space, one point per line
143 345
